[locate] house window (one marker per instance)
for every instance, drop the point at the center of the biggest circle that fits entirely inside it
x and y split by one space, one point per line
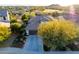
1 18
4 18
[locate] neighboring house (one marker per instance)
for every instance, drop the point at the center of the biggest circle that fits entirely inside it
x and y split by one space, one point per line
34 22
4 18
51 11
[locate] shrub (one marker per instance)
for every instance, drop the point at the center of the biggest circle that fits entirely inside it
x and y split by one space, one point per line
4 33
15 27
55 14
13 21
32 14
26 17
12 16
57 34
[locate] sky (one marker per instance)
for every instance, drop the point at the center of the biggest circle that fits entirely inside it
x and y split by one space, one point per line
49 2
38 2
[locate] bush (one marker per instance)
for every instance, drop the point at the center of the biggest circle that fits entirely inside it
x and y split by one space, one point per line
32 14
58 33
4 33
12 16
13 21
15 27
55 14
26 17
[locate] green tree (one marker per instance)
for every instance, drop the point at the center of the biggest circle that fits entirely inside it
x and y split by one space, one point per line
15 27
26 17
4 32
55 14
57 34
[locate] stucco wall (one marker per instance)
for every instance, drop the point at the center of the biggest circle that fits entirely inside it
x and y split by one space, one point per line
6 24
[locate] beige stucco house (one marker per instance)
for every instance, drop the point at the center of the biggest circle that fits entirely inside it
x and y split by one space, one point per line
4 18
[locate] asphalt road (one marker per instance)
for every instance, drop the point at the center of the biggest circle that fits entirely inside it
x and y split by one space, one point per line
33 43
71 17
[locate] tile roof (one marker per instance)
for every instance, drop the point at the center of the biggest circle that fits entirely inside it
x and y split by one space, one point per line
3 12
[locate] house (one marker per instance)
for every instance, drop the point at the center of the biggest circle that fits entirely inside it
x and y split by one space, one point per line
4 18
51 11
